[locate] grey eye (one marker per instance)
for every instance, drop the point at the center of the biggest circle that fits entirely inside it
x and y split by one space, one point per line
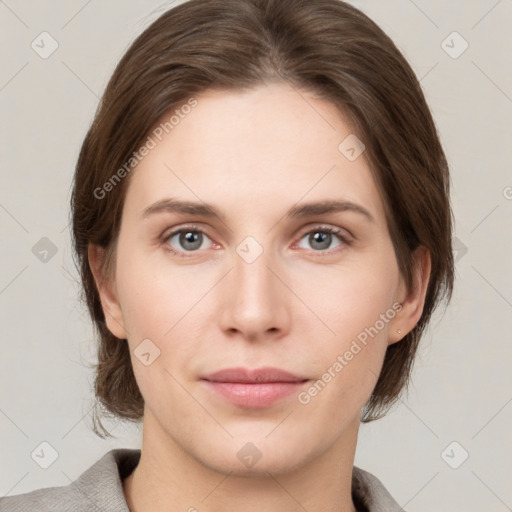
188 239
321 239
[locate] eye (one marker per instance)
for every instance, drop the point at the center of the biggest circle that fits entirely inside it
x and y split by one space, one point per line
191 239
322 237
187 239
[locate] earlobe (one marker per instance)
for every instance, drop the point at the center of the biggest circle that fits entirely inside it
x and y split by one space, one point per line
107 292
413 300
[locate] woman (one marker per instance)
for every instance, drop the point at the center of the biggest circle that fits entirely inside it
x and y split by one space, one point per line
262 223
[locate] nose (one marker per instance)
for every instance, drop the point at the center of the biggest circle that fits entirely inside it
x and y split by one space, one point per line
255 303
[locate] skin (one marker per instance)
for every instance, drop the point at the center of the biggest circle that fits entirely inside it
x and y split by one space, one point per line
253 155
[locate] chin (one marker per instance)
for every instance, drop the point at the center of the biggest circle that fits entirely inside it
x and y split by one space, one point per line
249 457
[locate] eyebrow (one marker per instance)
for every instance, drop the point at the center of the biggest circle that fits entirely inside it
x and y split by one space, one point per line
170 205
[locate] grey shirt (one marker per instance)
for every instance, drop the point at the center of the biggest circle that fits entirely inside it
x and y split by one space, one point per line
100 489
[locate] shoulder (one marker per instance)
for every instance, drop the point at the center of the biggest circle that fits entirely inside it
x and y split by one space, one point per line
369 491
98 488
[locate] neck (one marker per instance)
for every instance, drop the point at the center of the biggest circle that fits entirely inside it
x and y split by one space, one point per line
169 479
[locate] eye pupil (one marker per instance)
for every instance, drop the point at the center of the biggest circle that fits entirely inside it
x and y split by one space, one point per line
324 239
190 237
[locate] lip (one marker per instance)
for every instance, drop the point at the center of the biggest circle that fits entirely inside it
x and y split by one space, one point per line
255 389
256 376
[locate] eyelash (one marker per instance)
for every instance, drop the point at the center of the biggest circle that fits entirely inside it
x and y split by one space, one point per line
194 229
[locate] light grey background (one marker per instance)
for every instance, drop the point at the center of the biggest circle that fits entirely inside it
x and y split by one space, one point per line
462 383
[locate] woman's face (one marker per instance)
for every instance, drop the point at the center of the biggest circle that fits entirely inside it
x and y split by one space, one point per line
259 284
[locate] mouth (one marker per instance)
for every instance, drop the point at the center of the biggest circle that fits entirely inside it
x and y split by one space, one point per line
255 389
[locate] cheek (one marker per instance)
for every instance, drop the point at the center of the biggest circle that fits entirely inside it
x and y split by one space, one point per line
347 364
356 308
153 296
156 305
348 298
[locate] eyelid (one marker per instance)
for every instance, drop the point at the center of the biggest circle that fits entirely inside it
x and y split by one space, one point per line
341 232
183 227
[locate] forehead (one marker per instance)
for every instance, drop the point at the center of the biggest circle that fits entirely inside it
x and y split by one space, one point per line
266 147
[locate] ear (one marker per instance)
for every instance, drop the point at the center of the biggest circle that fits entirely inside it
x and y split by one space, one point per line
412 300
107 292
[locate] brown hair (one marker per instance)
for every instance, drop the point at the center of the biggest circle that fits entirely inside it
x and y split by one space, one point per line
324 46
